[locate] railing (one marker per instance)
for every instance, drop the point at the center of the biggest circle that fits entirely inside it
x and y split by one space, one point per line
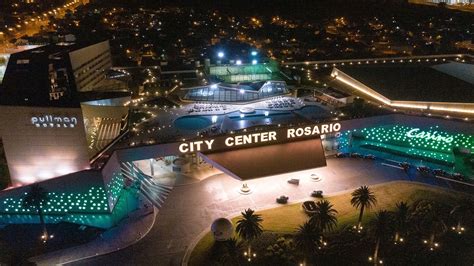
379 59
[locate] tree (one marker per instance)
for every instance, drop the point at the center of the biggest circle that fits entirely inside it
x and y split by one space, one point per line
307 239
363 198
429 218
381 230
229 252
249 227
461 213
37 198
401 215
281 252
324 217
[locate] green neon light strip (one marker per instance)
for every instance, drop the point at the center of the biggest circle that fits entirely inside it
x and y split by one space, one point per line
93 201
431 143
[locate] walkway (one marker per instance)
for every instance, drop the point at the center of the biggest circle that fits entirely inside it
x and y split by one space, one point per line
126 233
190 209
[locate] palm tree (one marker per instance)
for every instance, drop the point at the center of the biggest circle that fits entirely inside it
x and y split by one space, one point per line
381 227
429 217
37 198
362 198
249 226
230 252
401 216
461 212
307 239
324 217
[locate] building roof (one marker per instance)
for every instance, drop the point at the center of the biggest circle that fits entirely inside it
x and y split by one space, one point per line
450 82
254 86
249 163
50 49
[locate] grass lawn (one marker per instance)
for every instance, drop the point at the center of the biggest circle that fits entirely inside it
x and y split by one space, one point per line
287 218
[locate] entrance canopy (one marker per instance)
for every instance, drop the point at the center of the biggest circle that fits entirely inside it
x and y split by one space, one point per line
249 163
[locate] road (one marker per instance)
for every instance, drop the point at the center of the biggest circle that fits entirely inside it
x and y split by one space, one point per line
190 209
30 27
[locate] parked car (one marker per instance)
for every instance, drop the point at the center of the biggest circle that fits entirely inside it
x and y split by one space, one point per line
317 194
458 176
370 156
309 207
294 181
282 199
405 166
440 172
423 170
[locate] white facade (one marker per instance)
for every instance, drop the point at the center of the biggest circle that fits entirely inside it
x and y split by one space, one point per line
89 65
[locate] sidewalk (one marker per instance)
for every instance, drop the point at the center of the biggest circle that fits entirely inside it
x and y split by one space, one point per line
126 233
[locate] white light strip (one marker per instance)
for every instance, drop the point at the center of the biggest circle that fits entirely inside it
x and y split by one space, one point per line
449 109
407 105
402 105
361 89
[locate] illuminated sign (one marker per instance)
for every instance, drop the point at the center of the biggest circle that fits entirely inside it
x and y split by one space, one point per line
258 138
416 133
54 121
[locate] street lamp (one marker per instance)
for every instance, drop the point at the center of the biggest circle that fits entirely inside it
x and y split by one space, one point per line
249 255
220 54
379 261
253 53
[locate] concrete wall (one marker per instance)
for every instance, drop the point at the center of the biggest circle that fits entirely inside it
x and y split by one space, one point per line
39 153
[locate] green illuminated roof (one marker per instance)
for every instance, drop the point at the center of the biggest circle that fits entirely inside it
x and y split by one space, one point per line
239 73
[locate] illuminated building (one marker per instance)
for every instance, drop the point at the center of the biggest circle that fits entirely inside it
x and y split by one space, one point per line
4 57
245 72
444 88
240 92
57 110
239 83
431 144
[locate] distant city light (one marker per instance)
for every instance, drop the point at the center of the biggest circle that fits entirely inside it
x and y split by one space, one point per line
241 91
214 119
238 62
214 86
253 53
254 62
220 54
266 113
242 115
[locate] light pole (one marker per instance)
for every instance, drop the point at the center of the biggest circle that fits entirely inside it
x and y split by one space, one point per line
249 255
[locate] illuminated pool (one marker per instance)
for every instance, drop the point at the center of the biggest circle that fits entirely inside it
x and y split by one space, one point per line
236 116
192 122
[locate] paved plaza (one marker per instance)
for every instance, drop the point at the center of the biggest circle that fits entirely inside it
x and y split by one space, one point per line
190 209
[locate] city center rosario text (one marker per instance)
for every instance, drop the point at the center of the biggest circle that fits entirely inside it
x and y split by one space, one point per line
260 137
